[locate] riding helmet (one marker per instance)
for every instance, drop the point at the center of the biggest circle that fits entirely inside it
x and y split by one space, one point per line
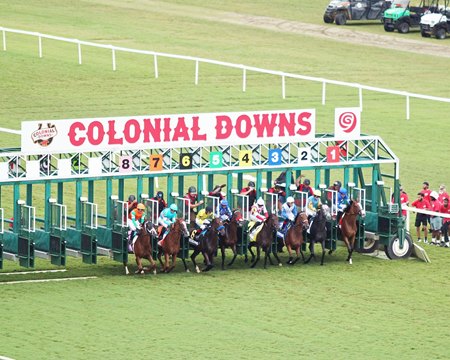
131 198
160 194
317 193
224 202
192 189
260 201
141 206
251 184
174 207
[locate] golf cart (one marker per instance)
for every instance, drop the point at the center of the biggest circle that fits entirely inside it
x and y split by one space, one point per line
436 24
405 14
340 11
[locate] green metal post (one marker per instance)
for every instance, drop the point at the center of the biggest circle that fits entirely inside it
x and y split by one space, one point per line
170 188
210 184
47 206
60 196
109 190
326 178
17 220
374 189
151 187
229 184
240 181
121 190
91 191
181 185
139 186
346 177
259 183
29 195
317 174
78 205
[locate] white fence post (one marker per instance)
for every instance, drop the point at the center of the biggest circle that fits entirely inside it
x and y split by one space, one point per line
360 99
196 72
40 45
113 58
4 40
283 86
407 107
79 53
244 79
155 61
324 92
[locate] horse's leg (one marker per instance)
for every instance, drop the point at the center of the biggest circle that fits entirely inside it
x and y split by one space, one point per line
289 249
222 249
166 262
311 252
267 255
140 270
233 248
323 252
347 244
258 254
193 256
174 263
159 257
251 252
208 260
276 257
152 263
185 265
350 251
297 252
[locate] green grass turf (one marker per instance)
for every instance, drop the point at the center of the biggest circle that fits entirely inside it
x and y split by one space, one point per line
374 309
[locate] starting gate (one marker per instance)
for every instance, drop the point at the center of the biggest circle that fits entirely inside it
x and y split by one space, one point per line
79 201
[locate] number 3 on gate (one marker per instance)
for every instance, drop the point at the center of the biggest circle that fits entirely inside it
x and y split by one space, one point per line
274 157
245 158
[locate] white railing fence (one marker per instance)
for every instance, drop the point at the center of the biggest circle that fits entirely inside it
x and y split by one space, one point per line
410 209
244 68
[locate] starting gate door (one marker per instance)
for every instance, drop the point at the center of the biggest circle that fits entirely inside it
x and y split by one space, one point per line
119 239
241 202
58 227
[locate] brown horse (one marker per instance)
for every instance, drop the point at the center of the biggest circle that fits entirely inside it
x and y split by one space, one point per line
318 233
208 244
294 237
349 227
264 240
230 237
143 248
171 245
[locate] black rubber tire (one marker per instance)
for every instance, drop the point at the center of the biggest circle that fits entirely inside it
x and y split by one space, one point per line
327 19
393 250
369 247
388 28
403 27
340 19
441 34
424 34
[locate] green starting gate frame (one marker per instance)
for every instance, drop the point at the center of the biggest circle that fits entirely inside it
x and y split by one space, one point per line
365 163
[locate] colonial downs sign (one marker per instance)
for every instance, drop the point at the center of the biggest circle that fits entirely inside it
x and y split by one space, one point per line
165 131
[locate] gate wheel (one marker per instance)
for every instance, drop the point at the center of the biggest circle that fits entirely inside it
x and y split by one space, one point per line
393 250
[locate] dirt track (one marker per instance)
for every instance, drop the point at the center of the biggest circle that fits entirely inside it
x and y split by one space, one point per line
337 33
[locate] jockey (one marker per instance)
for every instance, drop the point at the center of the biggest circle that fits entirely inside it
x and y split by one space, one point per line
167 218
135 220
224 210
313 204
132 203
288 212
343 202
204 217
258 214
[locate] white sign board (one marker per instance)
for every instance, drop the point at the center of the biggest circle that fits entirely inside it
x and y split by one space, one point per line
347 123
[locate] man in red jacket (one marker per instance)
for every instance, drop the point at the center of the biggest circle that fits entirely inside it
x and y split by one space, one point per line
421 219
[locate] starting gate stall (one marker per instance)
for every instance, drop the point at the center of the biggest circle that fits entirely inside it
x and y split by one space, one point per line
58 227
209 148
183 204
241 202
119 236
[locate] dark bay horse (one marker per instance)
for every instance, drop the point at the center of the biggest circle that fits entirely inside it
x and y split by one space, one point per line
230 237
143 248
208 244
171 245
264 241
294 237
318 233
349 227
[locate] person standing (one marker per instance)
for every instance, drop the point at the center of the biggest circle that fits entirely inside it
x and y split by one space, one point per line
435 221
445 209
421 219
442 194
426 191
161 202
250 192
193 204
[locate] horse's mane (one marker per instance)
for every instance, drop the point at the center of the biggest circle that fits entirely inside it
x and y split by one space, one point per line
348 207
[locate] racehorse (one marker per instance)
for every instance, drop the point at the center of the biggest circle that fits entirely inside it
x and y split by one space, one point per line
318 233
171 245
349 227
264 240
143 248
208 244
230 237
294 237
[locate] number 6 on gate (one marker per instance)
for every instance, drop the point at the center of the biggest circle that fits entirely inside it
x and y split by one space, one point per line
304 155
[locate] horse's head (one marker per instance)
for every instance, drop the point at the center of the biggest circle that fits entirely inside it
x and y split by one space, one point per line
217 226
326 211
149 228
302 219
181 226
355 208
272 221
237 216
